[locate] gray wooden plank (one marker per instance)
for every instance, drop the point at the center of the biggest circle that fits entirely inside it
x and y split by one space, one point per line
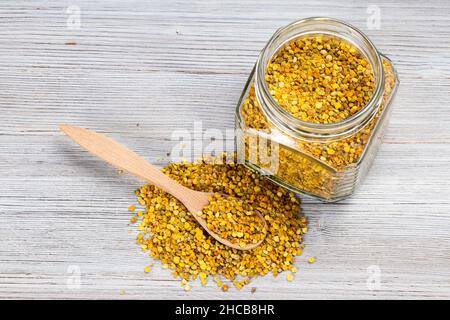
137 70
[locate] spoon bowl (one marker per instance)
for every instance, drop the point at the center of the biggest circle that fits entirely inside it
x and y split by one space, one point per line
118 155
201 201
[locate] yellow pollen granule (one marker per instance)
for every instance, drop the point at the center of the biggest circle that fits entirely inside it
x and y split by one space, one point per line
290 277
132 208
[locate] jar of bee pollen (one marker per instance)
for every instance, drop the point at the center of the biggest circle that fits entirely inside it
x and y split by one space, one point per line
314 108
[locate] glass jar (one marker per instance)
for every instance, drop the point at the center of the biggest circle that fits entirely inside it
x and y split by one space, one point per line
322 160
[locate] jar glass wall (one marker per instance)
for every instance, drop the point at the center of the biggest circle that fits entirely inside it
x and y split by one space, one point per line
323 160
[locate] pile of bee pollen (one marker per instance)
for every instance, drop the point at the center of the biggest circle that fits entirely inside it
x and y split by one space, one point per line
171 234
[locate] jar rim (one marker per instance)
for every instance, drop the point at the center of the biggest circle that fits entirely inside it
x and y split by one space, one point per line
286 120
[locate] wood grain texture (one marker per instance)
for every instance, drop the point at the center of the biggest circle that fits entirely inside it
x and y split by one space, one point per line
137 70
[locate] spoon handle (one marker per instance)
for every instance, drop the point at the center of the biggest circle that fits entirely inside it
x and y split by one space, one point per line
118 155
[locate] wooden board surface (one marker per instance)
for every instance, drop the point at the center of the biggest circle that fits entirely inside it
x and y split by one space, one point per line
138 70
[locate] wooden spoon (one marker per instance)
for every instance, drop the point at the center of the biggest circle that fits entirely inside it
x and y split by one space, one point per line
125 159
